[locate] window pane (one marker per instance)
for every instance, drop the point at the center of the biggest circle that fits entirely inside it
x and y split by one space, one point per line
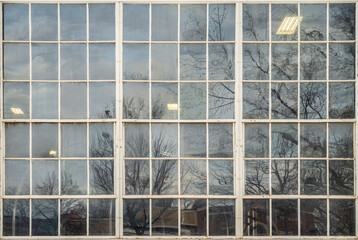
221 61
44 22
136 106
16 22
314 217
284 217
256 140
17 177
256 61
164 217
314 22
284 175
341 21
101 140
101 22
44 140
102 61
137 177
17 138
279 13
135 217
44 62
164 61
313 177
313 61
73 62
313 100
222 22
341 177
164 100
193 22
193 208
102 217
44 177
221 217
16 61
73 22
284 61
341 61
255 100
193 140
255 22
221 177
73 177
193 177
19 210
220 140
44 217
221 100
73 93
284 140
137 140
341 140
164 22
313 140
16 100
257 177
284 100
45 100
73 213
135 22
256 217
164 140
164 177
342 217
101 176
135 61
341 100
193 101
192 62
102 100
74 140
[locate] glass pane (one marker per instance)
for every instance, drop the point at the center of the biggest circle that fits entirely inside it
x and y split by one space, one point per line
16 217
137 177
284 100
284 177
102 100
193 217
341 61
17 177
255 22
193 101
193 140
341 21
16 22
314 22
341 177
135 217
44 140
255 61
16 100
341 140
164 62
135 100
73 62
135 22
341 100
193 177
73 177
73 217
313 140
313 177
164 22
257 177
45 177
44 217
73 93
255 100
164 177
101 22
256 140
221 217
313 100
137 140
73 22
101 176
192 62
164 100
221 61
221 177
74 142
342 217
222 22
284 61
192 22
164 217
44 22
220 140
16 61
313 61
314 217
256 217
102 61
221 100
280 17
284 217
102 217
45 100
284 140
17 137
101 140
44 62
164 140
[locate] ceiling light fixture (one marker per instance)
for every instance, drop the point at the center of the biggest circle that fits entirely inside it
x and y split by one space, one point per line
288 25
17 111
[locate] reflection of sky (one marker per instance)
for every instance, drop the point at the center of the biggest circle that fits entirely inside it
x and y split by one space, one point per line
192 22
192 62
313 21
76 172
193 140
43 171
102 99
135 61
222 22
341 100
193 176
102 61
74 143
220 140
16 95
164 61
17 176
73 93
164 22
17 137
135 22
44 139
193 101
16 61
221 61
73 62
165 138
16 21
221 177
44 22
44 62
73 22
44 100
101 22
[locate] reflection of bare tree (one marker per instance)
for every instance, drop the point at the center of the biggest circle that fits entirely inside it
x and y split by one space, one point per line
15 217
48 185
102 176
256 177
134 107
284 176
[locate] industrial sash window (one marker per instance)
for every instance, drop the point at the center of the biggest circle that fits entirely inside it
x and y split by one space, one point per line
126 120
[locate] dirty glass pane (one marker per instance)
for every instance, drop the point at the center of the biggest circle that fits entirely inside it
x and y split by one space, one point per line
135 22
313 140
101 22
313 101
102 217
164 177
44 24
102 61
73 93
17 177
341 61
193 177
220 140
314 22
73 217
73 22
73 62
280 14
74 142
221 217
193 101
16 61
17 138
284 100
192 22
284 217
313 61
341 177
255 22
164 22
284 177
16 100
221 177
102 100
222 22
256 217
135 100
256 61
342 217
255 100
164 62
314 217
341 21
16 214
44 62
136 217
44 177
221 61
341 140
164 140
313 177
44 217
256 140
73 177
192 62
16 22
101 176
164 100
193 140
284 62
45 100
137 140
284 140
193 211
341 100
221 100
257 177
44 140
164 217
137 177
101 140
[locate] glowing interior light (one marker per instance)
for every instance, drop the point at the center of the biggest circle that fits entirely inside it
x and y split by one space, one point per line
172 106
289 25
16 110
52 153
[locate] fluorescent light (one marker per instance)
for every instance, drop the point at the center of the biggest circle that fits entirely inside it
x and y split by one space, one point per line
17 111
172 106
52 152
288 25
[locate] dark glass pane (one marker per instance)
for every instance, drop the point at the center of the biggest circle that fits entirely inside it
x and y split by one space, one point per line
221 100
284 100
222 22
74 140
341 177
101 176
341 100
164 217
137 140
16 214
17 177
164 177
256 141
135 100
45 100
284 140
164 22
193 140
73 217
257 177
280 14
221 217
221 177
256 22
44 140
164 62
164 140
193 101
342 217
137 177
313 217
102 217
101 140
220 140
313 177
341 61
44 217
73 22
255 100
313 61
16 100
193 177
73 62
256 217
313 140
284 61
44 22
101 22
256 61
17 138
341 140
341 21
314 22
102 61
284 177
73 177
16 61
102 100
284 217
135 22
193 217
135 217
44 62
164 100
192 22
44 177
192 62
16 22
221 61
313 100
